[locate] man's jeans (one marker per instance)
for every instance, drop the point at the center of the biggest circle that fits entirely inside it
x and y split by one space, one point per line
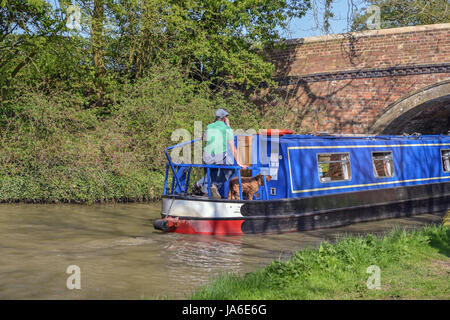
218 175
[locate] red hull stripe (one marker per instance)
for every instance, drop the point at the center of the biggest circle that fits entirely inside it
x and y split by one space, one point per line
218 227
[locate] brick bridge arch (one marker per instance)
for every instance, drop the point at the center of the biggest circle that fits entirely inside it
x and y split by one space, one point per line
380 81
417 112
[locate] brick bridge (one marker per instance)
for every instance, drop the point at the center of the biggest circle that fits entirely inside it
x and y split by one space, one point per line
390 81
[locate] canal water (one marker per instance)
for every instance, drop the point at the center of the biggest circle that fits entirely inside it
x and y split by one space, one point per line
121 256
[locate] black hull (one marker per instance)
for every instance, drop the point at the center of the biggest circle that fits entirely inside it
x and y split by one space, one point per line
302 214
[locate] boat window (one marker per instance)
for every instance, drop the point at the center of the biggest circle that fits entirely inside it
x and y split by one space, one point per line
445 160
334 167
383 164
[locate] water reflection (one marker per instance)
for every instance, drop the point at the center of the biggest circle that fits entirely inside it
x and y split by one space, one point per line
204 252
121 256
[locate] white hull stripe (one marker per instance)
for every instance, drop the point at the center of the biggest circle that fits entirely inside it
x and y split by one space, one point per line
200 209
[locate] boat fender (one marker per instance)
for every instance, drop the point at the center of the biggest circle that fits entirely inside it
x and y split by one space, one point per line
279 132
166 224
161 224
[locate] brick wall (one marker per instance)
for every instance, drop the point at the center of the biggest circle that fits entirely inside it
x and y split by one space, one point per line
343 83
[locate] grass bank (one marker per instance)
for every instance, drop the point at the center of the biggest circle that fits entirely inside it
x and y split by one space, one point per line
413 265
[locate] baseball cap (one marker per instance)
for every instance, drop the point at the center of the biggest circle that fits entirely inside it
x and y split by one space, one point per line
221 113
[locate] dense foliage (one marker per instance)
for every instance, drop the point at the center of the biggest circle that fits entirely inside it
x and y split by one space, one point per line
403 13
85 113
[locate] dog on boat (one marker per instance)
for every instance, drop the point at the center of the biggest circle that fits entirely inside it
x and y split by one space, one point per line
250 186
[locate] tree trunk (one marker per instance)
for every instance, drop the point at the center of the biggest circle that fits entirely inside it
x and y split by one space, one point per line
97 47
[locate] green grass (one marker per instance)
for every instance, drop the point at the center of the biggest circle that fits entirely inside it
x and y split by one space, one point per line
414 265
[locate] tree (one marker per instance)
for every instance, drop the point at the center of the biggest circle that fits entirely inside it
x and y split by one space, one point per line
218 42
402 13
97 46
26 27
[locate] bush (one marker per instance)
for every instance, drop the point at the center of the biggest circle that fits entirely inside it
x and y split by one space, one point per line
55 148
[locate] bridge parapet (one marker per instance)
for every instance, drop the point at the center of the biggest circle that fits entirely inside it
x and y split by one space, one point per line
408 46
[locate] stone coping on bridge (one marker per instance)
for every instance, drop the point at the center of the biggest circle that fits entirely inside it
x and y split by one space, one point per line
367 33
367 54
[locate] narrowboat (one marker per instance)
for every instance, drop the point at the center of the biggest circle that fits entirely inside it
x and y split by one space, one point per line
316 181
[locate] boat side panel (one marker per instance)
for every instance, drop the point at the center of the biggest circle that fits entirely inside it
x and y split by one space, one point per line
199 208
414 164
342 217
348 200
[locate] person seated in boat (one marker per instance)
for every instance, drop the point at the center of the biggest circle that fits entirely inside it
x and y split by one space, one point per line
219 139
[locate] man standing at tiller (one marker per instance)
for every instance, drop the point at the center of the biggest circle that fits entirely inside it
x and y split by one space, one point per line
218 136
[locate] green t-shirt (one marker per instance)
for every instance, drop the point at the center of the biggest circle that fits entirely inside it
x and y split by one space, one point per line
217 136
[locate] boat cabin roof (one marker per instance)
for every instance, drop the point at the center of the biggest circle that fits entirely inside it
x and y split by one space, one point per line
359 139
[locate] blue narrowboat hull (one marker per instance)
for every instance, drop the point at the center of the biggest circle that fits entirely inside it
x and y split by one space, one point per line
321 182
343 209
310 213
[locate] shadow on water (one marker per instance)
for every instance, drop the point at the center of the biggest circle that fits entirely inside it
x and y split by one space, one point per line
121 256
